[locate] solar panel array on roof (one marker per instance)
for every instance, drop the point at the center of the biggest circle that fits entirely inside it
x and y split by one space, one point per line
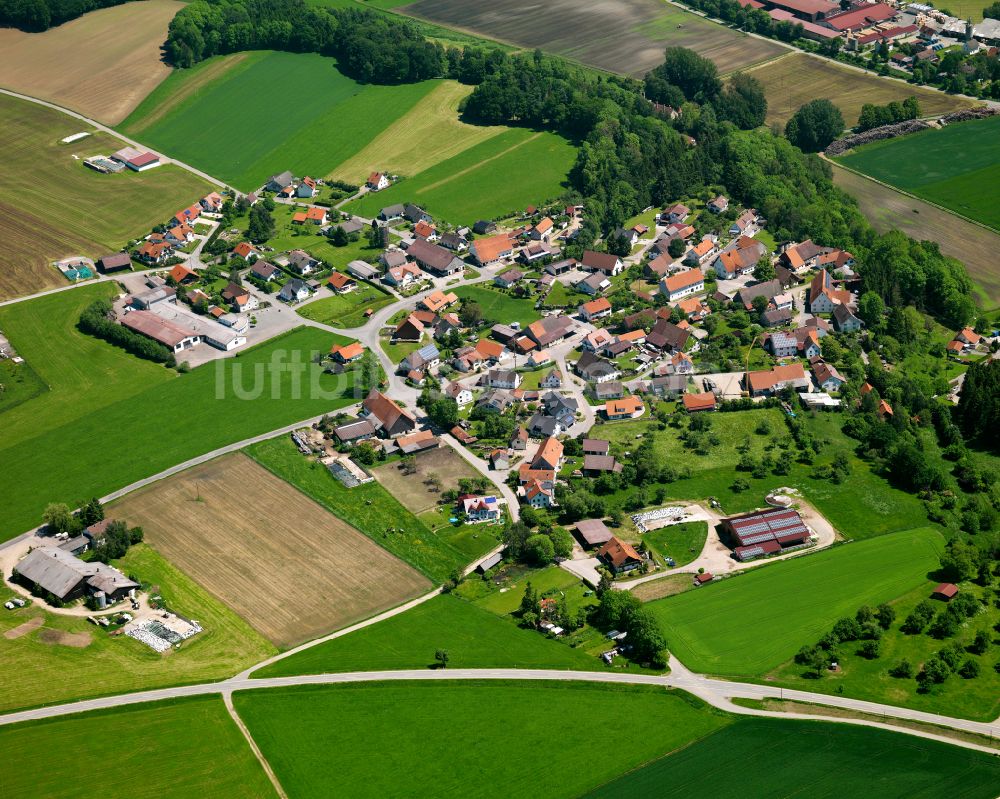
780 526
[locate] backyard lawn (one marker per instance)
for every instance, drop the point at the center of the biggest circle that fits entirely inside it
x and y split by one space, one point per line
346 310
172 750
500 307
489 739
683 542
794 601
35 664
473 637
98 393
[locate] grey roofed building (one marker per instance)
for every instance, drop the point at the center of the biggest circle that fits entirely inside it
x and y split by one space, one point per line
279 181
667 335
354 431
612 389
391 212
67 577
591 367
542 425
414 213
484 226
594 532
768 290
596 446
560 407
112 263
776 317
393 258
493 560
362 270
844 320
352 225
497 400
668 384
263 269
600 463
503 333
454 242
434 258
558 267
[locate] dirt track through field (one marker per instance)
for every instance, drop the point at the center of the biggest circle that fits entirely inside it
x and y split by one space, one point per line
101 64
468 169
23 629
293 570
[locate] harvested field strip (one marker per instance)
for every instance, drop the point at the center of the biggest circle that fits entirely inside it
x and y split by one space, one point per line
23 629
277 558
886 208
188 747
709 636
463 172
625 36
429 133
793 81
101 64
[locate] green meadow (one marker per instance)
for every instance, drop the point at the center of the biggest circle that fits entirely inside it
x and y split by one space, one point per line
821 760
474 639
168 750
748 624
268 112
500 307
109 419
468 738
957 167
492 179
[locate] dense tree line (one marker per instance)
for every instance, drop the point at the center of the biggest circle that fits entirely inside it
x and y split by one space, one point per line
40 15
97 320
369 46
874 116
978 409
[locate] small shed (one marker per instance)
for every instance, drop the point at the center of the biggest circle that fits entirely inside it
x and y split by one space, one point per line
945 592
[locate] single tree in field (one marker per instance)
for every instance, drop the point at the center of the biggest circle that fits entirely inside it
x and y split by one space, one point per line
441 656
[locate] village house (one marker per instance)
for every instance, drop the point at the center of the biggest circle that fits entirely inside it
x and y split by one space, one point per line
625 408
537 495
596 370
307 188
377 181
509 278
312 216
518 439
437 301
541 230
301 262
550 329
353 432
403 275
844 319
668 337
503 378
802 341
492 250
264 270
596 465
459 393
425 230
718 204
682 284
388 418
479 509
499 460
619 556
347 353
675 214
435 259
827 377
279 182
453 241
549 455
496 400
340 283
738 259
823 294
701 252
695 403
416 214
538 359
608 390
592 533
391 213
746 224
417 442
766 382
768 289
410 329
595 309
421 360
552 380
594 284
294 290
490 351
659 267
562 409
154 252
603 262
66 577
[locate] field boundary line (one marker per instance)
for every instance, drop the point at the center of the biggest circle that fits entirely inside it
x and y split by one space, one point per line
912 196
227 698
468 169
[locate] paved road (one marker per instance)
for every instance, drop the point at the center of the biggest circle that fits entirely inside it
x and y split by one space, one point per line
95 124
716 692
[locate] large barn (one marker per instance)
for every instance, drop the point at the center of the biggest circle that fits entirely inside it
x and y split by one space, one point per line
766 532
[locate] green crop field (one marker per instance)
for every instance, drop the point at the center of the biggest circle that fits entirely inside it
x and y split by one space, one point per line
35 664
109 419
170 750
815 759
474 639
500 307
748 624
491 179
957 167
52 206
470 739
270 111
863 505
858 677
369 508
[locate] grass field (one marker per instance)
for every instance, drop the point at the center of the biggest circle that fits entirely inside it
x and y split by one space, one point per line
682 542
815 759
862 506
500 307
718 629
491 739
859 677
281 561
114 52
145 418
886 209
325 116
491 179
473 637
368 508
430 132
172 750
957 167
346 310
35 672
52 206
627 36
794 80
